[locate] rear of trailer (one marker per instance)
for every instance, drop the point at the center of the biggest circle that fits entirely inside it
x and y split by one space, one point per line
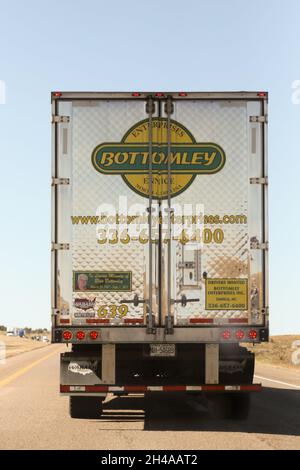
159 242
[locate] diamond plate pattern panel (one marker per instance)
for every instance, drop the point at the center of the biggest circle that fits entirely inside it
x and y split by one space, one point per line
224 193
94 123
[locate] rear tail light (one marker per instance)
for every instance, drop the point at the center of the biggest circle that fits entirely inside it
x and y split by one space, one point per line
94 334
135 93
262 94
239 334
226 334
67 335
80 335
182 93
159 95
57 93
252 334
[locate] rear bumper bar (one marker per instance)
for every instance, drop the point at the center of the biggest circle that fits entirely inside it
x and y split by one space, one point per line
100 389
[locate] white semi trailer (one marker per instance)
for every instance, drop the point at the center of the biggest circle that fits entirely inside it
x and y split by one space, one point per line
159 243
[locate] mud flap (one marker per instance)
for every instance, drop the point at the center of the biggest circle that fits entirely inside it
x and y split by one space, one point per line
79 370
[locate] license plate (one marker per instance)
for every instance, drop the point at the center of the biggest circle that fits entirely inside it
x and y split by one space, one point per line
162 350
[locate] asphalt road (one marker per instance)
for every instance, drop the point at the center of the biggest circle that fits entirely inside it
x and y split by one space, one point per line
34 416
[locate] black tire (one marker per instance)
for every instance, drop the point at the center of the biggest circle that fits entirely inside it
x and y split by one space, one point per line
85 407
240 405
220 405
230 405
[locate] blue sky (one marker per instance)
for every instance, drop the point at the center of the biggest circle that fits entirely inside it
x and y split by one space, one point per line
133 45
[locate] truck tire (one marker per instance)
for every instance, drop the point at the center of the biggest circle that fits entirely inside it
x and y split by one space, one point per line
229 405
220 405
85 407
240 406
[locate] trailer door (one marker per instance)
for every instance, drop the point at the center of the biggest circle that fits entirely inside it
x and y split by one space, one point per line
101 251
156 221
213 264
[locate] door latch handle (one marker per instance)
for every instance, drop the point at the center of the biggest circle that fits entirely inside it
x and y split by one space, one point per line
135 301
183 301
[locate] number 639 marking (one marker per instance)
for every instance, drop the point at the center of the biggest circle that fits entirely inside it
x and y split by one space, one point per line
112 311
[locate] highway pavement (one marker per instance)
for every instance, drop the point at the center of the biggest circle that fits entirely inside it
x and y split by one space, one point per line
34 416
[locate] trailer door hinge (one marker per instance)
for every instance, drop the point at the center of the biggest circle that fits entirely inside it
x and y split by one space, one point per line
259 180
60 246
58 119
60 181
55 311
262 119
259 246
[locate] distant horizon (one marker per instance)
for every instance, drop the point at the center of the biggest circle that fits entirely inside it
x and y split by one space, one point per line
8 327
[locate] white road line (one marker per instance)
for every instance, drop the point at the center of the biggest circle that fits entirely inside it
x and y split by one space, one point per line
297 387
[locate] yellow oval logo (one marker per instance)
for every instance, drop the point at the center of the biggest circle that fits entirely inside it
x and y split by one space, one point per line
130 158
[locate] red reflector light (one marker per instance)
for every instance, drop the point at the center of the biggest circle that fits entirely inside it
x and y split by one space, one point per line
262 93
182 93
135 94
57 93
94 334
159 95
252 334
80 335
239 334
67 335
226 334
